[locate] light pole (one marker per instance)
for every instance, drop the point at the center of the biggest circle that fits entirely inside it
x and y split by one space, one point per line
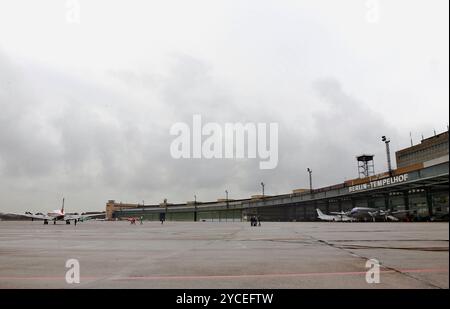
310 179
386 140
165 211
195 207
262 185
226 192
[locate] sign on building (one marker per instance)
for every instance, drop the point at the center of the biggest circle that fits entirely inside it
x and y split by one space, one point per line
379 183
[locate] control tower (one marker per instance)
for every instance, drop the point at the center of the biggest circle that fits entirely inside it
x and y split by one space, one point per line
365 165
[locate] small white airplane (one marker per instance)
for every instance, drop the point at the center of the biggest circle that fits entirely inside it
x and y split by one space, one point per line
362 214
338 217
58 215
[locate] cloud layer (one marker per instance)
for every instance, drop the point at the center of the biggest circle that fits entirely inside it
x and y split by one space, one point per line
93 144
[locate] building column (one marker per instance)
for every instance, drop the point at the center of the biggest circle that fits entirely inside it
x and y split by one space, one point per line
387 202
429 202
406 199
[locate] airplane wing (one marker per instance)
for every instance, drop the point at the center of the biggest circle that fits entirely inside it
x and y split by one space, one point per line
374 213
72 217
37 216
81 217
388 214
392 218
342 213
399 212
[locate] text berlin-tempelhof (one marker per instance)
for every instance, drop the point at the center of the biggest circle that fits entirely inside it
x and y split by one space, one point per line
379 183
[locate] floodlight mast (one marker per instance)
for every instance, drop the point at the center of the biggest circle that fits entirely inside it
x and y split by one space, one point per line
386 140
310 179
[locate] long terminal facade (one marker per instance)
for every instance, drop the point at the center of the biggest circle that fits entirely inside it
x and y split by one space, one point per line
420 184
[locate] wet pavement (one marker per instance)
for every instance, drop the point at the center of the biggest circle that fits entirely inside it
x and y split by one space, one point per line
224 255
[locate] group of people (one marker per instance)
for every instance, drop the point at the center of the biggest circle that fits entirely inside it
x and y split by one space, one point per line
133 220
254 221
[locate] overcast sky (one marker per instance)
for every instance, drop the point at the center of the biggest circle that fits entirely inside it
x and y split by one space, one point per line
86 108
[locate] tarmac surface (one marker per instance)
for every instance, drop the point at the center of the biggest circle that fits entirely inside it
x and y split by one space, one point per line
223 255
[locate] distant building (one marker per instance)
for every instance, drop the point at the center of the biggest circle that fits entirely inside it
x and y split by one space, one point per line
431 148
112 207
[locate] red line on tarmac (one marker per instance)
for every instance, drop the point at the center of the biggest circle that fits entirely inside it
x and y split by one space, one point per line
44 278
426 270
276 275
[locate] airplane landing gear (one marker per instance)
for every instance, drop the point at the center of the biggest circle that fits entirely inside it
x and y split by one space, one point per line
54 221
67 222
45 221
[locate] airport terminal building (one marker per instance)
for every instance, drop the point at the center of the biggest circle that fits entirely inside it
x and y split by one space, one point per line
420 184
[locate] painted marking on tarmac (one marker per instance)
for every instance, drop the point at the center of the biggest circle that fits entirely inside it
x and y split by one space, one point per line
243 276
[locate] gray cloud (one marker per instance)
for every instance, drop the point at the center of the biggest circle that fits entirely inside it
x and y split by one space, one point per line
25 149
99 143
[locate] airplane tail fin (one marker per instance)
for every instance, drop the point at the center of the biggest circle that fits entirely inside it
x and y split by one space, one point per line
62 208
319 213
